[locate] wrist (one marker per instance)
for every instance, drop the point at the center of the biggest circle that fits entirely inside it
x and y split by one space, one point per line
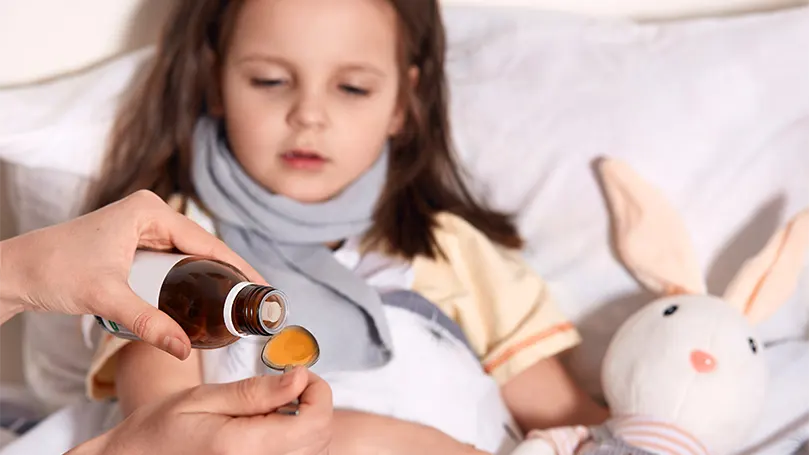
11 302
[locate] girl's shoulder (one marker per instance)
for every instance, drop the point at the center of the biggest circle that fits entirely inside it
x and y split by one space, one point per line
448 224
502 304
452 230
192 209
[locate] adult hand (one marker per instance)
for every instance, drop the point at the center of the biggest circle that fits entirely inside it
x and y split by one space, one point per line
82 266
224 419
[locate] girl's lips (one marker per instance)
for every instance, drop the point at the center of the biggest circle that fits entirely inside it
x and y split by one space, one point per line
303 159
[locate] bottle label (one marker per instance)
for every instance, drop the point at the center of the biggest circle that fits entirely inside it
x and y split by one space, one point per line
149 270
227 310
115 329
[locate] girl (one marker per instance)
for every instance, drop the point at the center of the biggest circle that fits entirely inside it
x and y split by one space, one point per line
312 136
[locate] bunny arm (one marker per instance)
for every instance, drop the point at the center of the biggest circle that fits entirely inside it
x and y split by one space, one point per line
554 441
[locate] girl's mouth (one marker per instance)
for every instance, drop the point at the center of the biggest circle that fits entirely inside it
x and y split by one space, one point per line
303 159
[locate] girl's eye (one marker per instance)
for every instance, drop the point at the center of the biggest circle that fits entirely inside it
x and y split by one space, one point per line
670 310
354 90
266 82
753 345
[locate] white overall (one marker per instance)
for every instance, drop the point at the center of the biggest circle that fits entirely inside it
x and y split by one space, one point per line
433 379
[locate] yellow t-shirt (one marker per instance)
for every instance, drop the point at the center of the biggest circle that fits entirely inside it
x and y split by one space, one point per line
503 307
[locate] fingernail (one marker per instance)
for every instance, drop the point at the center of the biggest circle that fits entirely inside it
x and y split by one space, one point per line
176 347
288 377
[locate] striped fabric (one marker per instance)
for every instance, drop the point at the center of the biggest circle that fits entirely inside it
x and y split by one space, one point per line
655 436
622 436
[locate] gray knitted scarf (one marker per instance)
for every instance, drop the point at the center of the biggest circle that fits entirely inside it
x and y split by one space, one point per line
285 240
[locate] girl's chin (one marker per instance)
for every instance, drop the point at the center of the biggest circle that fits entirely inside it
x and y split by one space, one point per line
306 193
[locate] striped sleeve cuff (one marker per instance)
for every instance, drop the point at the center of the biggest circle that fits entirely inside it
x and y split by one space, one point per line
515 357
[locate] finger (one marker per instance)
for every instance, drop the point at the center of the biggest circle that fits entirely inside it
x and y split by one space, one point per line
255 396
317 396
313 420
147 322
190 238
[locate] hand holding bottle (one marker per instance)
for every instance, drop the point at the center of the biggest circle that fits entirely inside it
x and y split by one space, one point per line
82 266
236 418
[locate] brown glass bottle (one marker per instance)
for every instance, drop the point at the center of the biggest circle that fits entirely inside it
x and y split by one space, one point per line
212 301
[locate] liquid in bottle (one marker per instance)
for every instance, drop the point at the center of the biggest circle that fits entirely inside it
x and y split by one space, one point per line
212 301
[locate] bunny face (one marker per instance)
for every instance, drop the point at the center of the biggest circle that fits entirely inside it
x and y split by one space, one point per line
693 361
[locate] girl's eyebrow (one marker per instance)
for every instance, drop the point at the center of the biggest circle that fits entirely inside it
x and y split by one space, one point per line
347 67
361 67
264 58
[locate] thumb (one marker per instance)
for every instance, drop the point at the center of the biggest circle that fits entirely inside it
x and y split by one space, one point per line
259 395
147 322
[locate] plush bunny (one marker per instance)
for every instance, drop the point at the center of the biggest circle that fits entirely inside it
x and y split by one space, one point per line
685 374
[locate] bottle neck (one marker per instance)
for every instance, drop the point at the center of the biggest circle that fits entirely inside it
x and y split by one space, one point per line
259 310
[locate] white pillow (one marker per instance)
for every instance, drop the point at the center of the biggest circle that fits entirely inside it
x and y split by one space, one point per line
715 112
641 9
54 136
63 36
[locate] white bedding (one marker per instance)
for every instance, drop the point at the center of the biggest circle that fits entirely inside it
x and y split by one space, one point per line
716 112
64 37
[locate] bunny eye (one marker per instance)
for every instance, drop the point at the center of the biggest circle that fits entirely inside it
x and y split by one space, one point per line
753 345
670 310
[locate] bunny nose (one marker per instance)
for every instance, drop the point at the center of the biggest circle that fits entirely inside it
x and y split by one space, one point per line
703 362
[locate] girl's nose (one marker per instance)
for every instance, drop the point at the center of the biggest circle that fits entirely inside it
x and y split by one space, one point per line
702 361
308 112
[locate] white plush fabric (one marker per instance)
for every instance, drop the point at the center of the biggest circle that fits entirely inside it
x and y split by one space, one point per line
63 125
715 112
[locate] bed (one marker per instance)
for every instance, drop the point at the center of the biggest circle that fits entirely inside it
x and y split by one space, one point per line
709 99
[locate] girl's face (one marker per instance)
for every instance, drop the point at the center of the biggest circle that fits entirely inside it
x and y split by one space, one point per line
310 92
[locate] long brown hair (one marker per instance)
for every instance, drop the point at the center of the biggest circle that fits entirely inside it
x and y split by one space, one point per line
151 141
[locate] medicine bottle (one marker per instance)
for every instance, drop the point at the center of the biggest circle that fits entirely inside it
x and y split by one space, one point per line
213 302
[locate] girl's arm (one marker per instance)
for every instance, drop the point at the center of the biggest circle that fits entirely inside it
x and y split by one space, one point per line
545 396
359 433
145 374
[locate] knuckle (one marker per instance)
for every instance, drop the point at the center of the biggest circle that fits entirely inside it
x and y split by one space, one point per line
145 197
145 204
142 325
196 393
249 390
95 297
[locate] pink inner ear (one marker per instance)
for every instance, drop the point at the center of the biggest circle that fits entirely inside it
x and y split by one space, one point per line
748 306
767 280
650 237
672 290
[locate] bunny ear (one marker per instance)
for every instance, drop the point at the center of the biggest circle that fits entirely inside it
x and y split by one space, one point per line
767 280
651 239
